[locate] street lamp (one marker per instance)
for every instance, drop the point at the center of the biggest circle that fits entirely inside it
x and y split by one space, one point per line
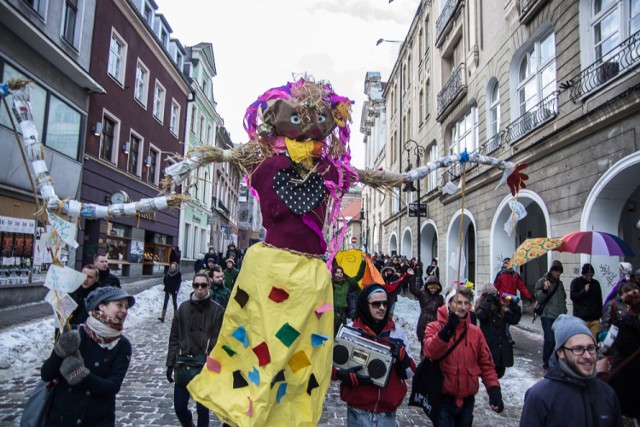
418 150
380 41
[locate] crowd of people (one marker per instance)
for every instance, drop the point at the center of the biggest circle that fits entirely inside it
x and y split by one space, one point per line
466 331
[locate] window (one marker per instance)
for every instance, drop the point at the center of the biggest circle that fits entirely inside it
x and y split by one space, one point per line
38 101
117 57
464 134
426 35
108 139
152 166
537 73
209 128
185 242
421 107
427 101
612 21
432 178
135 145
174 122
164 38
203 122
194 118
148 14
141 90
493 116
39 6
69 23
158 102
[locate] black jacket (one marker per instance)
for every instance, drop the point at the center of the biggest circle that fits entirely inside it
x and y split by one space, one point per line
625 382
108 279
586 305
92 402
172 283
429 304
494 317
80 313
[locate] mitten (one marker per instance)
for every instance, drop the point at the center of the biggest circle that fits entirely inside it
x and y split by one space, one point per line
351 376
73 369
495 399
170 374
68 343
449 329
399 352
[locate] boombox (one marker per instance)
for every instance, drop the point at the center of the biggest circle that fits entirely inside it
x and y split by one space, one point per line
351 349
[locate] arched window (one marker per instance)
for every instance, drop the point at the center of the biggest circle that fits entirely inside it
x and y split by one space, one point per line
612 21
493 113
537 73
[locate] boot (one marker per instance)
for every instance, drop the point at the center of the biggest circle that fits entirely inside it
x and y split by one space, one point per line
161 318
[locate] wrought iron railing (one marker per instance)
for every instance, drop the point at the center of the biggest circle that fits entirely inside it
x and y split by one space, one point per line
493 144
620 59
445 17
456 84
527 5
534 117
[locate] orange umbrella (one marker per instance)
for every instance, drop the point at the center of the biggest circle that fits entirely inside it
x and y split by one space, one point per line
534 248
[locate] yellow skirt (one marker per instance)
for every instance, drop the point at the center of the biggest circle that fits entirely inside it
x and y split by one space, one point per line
272 363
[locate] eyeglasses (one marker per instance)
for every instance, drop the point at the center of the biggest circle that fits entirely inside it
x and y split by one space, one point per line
378 304
200 285
579 351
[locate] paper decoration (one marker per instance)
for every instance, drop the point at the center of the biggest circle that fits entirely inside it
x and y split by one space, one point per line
62 304
298 361
65 229
287 334
318 340
322 309
63 278
229 350
278 378
282 390
213 365
518 209
278 294
262 352
449 188
250 411
238 380
241 297
313 383
241 335
254 376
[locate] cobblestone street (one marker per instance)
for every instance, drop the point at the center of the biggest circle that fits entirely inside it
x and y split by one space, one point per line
146 398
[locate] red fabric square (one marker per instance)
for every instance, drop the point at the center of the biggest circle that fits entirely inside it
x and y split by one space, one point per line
278 295
262 351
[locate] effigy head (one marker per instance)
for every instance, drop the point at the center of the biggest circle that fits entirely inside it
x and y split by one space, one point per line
304 110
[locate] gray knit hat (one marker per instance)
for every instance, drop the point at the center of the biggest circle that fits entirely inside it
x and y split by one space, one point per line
567 326
106 294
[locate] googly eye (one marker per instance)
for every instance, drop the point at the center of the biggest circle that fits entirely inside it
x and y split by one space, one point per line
296 120
321 119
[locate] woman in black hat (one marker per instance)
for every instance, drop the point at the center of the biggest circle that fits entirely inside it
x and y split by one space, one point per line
89 364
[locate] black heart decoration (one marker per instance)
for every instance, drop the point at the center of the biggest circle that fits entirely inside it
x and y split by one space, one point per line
299 195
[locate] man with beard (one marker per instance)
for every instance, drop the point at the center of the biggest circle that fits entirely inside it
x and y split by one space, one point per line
105 276
80 314
570 392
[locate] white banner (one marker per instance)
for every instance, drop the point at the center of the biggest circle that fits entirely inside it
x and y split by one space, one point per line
63 279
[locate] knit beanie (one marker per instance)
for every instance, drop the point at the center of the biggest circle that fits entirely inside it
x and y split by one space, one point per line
567 326
106 294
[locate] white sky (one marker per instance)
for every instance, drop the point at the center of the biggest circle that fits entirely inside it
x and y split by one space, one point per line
259 44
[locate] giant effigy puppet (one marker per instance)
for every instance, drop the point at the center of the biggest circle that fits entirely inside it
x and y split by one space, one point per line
272 363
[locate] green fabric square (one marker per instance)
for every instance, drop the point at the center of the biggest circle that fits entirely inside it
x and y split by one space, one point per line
287 334
229 351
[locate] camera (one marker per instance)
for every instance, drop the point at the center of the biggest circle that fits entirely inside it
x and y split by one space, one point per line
352 348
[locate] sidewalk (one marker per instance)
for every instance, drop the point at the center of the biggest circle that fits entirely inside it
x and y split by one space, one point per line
526 323
28 312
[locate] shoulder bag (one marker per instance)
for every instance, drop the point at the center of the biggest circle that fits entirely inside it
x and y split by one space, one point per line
188 366
426 387
37 407
539 307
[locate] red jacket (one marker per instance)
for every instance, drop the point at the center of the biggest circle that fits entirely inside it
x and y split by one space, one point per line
370 397
468 361
510 283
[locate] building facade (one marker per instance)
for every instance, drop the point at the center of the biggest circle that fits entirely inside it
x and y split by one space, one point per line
548 83
135 130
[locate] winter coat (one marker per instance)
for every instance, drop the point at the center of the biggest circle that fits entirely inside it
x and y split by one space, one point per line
341 289
370 397
470 360
230 277
586 305
172 283
433 271
557 305
195 329
613 311
220 294
92 402
108 279
429 304
510 282
626 381
494 318
559 400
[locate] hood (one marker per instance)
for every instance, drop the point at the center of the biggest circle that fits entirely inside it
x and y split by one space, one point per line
555 374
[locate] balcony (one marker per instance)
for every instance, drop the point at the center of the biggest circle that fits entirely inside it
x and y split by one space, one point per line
452 91
445 18
493 144
619 60
529 9
533 118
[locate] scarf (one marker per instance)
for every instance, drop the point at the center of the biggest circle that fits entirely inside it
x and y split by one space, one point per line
105 331
173 273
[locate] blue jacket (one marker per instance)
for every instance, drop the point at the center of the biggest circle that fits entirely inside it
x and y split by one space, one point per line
559 400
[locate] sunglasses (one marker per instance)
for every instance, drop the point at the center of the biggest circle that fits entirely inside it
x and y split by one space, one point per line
378 304
200 285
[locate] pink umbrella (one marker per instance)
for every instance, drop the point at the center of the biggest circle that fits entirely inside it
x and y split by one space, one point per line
595 243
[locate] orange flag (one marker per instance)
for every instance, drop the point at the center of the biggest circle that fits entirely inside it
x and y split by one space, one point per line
371 274
351 259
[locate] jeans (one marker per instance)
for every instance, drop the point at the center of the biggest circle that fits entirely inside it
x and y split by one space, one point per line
339 319
174 297
549 340
452 416
362 418
181 405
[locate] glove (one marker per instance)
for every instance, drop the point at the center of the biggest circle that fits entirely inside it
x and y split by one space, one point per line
399 353
68 343
449 328
352 377
170 374
495 399
73 369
